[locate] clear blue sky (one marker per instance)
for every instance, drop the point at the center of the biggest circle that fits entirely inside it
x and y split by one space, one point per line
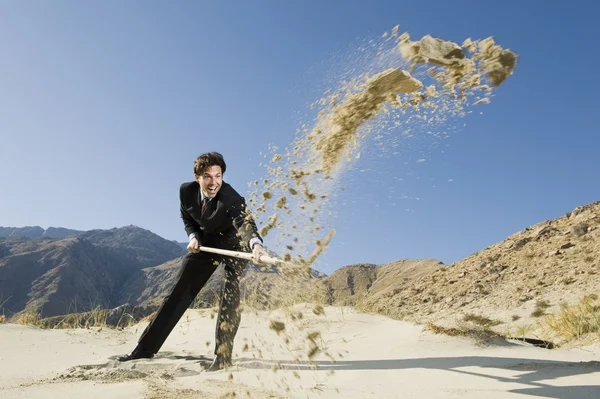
104 105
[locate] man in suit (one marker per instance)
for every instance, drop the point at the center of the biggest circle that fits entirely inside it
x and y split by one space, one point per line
215 215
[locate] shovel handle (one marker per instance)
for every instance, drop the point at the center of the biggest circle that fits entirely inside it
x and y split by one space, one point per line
270 260
244 255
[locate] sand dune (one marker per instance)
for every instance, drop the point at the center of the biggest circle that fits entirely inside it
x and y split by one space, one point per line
373 356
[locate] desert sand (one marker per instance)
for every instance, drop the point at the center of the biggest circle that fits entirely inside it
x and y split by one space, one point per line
375 357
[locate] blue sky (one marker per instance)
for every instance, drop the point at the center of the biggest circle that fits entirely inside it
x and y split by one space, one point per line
105 105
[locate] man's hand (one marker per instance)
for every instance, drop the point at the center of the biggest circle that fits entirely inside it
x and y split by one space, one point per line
194 245
257 252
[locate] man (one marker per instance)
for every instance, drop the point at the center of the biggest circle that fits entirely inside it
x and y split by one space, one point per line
215 215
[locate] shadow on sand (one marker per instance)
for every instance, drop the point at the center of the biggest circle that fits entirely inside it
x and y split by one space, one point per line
527 371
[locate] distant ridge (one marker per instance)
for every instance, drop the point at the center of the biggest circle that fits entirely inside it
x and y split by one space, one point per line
37 232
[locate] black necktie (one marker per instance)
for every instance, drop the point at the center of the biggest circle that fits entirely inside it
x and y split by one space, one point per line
204 204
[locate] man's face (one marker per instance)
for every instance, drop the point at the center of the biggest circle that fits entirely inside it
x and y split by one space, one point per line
210 181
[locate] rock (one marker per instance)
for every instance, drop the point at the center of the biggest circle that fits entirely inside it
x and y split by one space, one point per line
545 232
480 288
567 245
575 212
525 298
520 243
498 269
579 230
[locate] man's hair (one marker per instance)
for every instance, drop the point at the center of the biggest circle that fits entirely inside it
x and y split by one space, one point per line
205 161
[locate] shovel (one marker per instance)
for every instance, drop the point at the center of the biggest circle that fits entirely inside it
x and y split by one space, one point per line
269 259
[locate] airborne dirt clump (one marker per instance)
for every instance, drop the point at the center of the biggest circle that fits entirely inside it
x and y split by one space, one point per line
341 125
424 82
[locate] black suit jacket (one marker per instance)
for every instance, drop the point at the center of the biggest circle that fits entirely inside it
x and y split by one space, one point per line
226 222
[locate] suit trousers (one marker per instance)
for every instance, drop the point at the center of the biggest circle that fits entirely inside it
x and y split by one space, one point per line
196 269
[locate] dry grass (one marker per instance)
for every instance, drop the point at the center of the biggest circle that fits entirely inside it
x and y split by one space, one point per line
149 317
540 308
576 321
95 318
524 331
481 335
538 313
28 319
2 316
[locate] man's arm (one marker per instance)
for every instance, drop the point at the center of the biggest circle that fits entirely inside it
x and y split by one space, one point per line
192 228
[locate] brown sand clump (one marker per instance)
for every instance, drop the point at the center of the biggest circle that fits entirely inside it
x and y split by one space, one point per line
488 59
277 326
264 230
497 62
267 195
435 51
319 310
406 86
281 202
457 72
344 120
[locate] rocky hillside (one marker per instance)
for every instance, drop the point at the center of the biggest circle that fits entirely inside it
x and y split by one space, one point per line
60 276
135 245
351 285
551 263
53 277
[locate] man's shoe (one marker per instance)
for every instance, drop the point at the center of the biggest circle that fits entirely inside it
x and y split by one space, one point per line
220 363
137 353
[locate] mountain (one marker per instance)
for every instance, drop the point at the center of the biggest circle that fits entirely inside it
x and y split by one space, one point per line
36 232
59 276
135 245
182 245
352 284
54 277
553 263
128 268
543 267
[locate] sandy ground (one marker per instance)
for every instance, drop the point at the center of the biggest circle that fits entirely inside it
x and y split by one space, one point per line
374 356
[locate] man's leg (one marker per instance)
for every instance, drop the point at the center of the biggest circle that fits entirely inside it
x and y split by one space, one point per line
196 269
229 317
